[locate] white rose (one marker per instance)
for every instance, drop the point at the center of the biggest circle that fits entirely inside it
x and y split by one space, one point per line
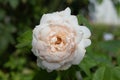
108 36
59 41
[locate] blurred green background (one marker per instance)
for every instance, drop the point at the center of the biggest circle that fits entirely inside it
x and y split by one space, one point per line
17 62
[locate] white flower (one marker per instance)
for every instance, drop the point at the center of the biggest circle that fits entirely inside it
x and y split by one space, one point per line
108 36
78 75
58 41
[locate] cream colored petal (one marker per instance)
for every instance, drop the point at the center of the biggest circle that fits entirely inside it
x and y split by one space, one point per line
85 42
78 36
79 54
72 20
34 43
86 31
44 33
49 18
37 30
65 12
51 66
56 16
59 57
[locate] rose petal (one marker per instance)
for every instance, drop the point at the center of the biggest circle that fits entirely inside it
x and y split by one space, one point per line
50 66
64 13
48 18
79 54
85 42
86 31
73 21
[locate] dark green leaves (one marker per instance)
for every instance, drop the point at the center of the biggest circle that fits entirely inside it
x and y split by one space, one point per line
107 73
2 14
87 63
25 41
6 36
115 73
13 3
111 46
43 75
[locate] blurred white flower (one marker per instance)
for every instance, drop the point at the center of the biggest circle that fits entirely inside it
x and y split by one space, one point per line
59 41
108 36
78 75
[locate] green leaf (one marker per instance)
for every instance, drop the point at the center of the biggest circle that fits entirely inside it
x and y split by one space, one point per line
116 73
58 77
102 59
107 73
15 63
13 3
103 73
2 14
99 74
3 76
118 58
87 63
20 76
44 75
69 74
25 39
6 37
111 46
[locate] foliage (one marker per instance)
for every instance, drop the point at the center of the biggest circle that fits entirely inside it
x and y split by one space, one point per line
19 17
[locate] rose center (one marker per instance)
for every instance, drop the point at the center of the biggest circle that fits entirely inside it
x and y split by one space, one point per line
59 40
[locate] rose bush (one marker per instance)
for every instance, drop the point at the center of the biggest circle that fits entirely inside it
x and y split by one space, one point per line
59 41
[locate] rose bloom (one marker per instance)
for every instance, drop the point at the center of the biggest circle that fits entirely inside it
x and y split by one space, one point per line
59 41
